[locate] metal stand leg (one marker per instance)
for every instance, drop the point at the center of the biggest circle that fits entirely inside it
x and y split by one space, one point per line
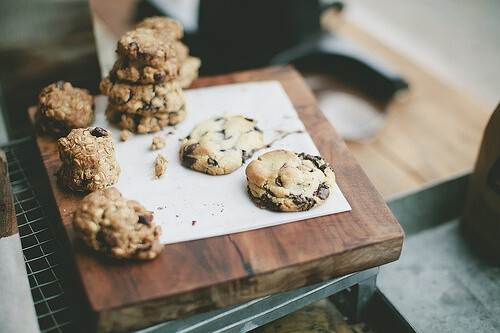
363 293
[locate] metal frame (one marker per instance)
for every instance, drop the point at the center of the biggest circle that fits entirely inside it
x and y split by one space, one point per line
54 282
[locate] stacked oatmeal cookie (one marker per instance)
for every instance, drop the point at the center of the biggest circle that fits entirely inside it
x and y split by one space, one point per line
144 86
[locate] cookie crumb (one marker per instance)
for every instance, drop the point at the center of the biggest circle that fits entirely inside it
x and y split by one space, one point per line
125 135
193 222
158 142
160 166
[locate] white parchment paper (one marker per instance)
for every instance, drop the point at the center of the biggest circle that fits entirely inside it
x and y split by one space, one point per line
192 205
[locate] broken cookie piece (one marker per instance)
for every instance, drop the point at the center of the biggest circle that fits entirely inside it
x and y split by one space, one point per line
160 166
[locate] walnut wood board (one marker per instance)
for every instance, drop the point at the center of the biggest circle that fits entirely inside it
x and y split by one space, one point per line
196 276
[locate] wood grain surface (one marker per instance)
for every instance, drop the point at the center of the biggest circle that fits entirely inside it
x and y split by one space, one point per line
8 223
196 276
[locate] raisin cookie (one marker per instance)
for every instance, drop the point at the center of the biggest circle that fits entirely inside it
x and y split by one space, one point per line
147 46
63 107
144 99
167 24
88 157
220 145
118 227
285 181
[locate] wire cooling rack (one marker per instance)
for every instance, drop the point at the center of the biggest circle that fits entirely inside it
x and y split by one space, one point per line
52 279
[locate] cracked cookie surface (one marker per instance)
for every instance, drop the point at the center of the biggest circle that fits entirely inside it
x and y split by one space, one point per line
88 157
144 99
62 107
167 24
285 181
151 47
221 144
118 227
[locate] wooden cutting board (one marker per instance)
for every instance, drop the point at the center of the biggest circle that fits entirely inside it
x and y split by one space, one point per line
196 276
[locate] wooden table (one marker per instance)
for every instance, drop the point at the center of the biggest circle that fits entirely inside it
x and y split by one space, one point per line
196 276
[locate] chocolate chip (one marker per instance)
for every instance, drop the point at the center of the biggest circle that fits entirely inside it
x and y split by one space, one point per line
326 166
143 219
190 148
99 132
257 129
265 200
245 155
218 118
113 77
188 160
211 161
60 84
145 56
86 181
159 77
323 191
303 203
278 181
147 247
249 119
133 45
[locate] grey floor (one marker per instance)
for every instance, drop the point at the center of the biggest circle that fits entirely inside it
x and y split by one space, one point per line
440 285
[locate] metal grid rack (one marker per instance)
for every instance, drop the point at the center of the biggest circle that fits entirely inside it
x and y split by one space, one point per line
50 273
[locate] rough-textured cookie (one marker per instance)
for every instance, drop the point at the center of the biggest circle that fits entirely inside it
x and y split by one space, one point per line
63 107
118 227
135 72
220 145
88 157
167 24
188 71
285 181
144 99
125 135
158 142
148 123
148 46
160 166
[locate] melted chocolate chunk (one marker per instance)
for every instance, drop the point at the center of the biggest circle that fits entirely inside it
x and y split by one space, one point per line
278 181
265 200
99 132
303 203
190 148
188 160
323 191
211 161
143 219
326 166
245 155
315 159
159 77
113 77
249 119
257 129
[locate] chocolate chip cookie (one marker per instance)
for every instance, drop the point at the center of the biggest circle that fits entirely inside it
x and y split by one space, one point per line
220 145
88 157
285 181
118 227
144 99
63 107
167 24
147 46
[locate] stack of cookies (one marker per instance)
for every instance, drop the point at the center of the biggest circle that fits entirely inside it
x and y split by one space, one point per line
145 84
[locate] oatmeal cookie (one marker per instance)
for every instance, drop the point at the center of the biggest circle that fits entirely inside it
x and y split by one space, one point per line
171 26
147 123
220 145
147 46
144 99
160 166
135 72
63 107
285 181
118 227
88 157
189 71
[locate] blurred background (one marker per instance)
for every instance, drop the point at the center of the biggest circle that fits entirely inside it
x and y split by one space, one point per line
409 85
